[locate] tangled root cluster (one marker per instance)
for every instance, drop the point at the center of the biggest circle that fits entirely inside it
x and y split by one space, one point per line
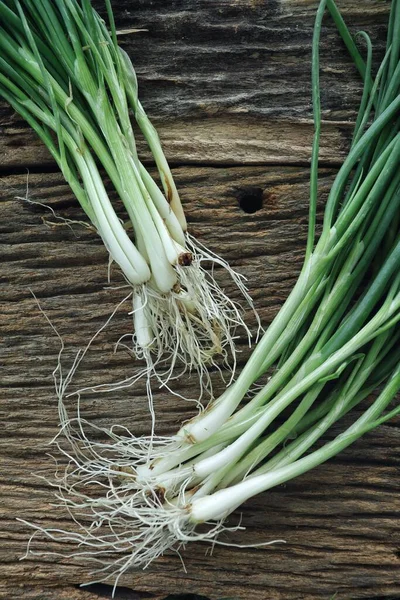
193 327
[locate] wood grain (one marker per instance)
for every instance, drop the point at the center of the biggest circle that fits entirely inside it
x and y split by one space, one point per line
227 83
340 521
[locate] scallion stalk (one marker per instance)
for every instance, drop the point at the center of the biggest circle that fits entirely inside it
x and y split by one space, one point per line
63 71
334 342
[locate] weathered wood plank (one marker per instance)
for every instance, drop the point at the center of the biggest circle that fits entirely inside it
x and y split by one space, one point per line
229 81
204 141
340 521
228 84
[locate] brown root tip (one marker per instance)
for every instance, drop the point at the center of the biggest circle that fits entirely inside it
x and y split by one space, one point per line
124 472
185 259
158 493
190 438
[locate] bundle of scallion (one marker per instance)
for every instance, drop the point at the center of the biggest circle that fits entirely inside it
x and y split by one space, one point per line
63 72
334 342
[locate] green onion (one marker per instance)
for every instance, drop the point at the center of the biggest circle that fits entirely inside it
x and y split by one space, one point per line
63 71
334 342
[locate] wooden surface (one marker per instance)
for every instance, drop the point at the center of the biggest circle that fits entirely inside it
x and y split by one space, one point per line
227 84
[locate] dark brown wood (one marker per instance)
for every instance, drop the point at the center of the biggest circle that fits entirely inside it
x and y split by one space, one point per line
229 81
228 85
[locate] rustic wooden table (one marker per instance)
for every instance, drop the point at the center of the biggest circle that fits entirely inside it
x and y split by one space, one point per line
227 83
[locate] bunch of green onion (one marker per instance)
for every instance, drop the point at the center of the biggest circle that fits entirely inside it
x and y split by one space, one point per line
334 342
63 71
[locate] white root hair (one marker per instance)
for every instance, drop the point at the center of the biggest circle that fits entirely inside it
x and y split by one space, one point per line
118 522
192 328
58 220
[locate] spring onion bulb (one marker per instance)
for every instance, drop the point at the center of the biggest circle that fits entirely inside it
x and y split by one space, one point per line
62 70
334 342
